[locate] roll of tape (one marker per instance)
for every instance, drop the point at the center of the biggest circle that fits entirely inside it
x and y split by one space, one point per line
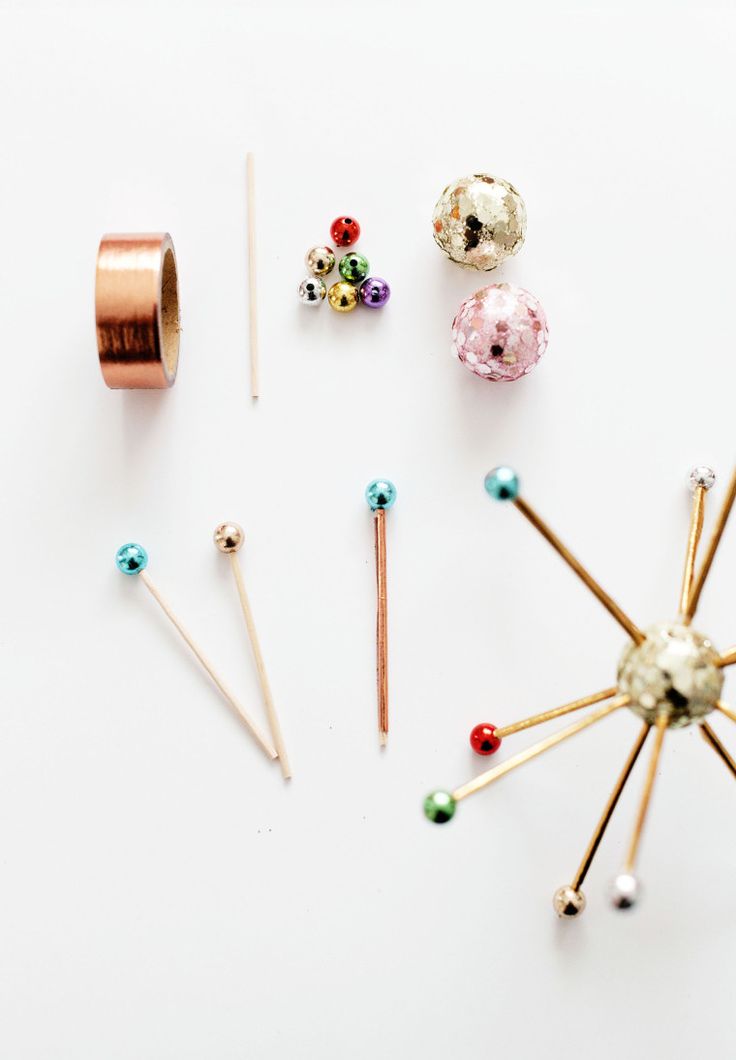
137 311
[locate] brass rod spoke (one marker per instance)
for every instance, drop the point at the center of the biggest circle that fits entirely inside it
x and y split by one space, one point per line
595 839
726 710
610 605
550 715
660 729
693 539
710 737
712 548
519 759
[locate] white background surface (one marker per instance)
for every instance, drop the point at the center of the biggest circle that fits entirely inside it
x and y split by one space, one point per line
162 893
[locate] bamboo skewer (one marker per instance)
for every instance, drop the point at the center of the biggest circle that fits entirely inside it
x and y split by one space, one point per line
252 279
207 666
229 539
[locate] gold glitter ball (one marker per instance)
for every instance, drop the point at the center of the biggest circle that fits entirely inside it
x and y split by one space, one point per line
479 221
674 670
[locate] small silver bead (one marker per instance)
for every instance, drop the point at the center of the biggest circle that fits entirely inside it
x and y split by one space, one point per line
702 476
567 902
229 537
625 891
312 291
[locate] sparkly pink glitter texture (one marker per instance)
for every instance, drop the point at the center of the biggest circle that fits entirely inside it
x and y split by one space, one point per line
500 332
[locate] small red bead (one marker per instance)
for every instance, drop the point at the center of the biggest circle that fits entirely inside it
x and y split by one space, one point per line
344 231
483 739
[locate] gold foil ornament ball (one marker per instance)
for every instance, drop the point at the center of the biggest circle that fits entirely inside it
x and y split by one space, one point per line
479 221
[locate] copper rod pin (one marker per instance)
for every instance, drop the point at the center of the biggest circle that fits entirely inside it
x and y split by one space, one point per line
549 715
728 658
381 624
519 759
709 556
660 727
696 530
610 605
726 710
613 798
710 737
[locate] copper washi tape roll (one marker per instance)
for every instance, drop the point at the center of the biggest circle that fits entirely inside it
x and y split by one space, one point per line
137 311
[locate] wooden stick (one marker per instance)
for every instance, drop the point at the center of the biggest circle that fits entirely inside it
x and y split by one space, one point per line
252 289
273 720
379 517
207 665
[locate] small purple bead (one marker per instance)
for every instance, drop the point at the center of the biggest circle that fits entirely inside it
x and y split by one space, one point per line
374 292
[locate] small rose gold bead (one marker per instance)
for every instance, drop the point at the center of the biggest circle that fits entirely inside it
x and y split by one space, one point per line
229 537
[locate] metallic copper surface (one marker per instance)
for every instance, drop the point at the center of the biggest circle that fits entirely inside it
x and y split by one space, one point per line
381 623
137 311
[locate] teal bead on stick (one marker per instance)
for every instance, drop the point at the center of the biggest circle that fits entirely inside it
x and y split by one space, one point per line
380 495
131 558
502 483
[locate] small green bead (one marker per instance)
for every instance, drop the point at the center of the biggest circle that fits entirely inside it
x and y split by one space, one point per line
439 807
380 493
502 483
131 559
353 267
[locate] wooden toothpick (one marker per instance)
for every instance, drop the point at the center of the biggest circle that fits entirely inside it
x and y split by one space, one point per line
133 559
252 288
229 539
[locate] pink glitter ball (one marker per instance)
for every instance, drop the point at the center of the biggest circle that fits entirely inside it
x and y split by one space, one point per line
500 332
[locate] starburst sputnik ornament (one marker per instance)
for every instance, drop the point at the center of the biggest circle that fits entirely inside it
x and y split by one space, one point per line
669 676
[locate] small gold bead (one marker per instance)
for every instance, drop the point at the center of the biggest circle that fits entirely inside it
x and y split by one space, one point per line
343 297
229 537
568 902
